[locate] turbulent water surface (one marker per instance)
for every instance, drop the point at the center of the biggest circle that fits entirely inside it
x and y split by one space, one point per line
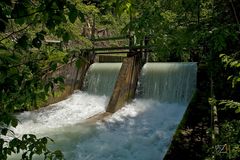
141 130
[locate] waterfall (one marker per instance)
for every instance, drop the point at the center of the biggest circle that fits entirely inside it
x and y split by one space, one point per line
101 78
141 130
98 86
168 82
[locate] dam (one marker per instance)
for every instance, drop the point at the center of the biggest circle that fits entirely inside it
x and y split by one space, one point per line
142 129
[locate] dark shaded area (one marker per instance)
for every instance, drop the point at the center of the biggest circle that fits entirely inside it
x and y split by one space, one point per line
193 138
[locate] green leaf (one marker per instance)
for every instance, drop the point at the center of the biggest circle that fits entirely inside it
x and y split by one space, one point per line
65 59
19 12
212 101
23 42
78 63
81 16
9 152
40 35
3 76
32 136
60 4
59 79
14 122
73 13
1 141
50 24
46 88
24 155
19 21
4 131
7 2
2 26
44 140
66 36
53 66
24 137
58 154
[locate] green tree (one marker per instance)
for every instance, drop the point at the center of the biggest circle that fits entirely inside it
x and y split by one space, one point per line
24 61
200 31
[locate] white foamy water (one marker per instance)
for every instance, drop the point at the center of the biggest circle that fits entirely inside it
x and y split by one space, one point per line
71 111
142 130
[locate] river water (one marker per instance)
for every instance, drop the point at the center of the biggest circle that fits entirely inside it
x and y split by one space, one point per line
142 130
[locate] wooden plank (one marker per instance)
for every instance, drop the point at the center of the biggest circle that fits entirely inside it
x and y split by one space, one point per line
110 38
118 48
113 52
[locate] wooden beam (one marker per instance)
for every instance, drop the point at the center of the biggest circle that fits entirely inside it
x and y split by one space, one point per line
113 52
110 38
118 48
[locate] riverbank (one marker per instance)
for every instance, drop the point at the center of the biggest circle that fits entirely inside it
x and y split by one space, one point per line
192 138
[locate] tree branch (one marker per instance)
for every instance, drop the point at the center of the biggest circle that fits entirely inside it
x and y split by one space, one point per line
15 32
24 63
30 14
27 15
235 14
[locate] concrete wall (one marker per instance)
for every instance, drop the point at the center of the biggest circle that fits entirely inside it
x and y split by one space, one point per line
126 83
73 79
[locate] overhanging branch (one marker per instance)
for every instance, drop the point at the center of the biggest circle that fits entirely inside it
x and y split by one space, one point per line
15 32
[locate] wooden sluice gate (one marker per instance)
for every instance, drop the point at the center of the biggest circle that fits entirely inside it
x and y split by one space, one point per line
126 83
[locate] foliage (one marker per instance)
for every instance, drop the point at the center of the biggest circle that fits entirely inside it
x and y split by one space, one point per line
200 31
229 130
231 104
179 30
233 64
229 135
25 59
184 30
27 56
28 146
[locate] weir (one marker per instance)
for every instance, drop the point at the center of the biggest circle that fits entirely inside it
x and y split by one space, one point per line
141 130
101 77
168 82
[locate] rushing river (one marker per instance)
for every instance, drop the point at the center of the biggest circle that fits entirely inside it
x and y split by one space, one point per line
142 130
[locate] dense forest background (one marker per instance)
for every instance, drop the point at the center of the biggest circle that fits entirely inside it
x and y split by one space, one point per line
203 31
